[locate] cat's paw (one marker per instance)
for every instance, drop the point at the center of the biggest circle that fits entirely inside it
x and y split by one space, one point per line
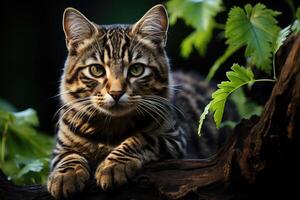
112 173
65 183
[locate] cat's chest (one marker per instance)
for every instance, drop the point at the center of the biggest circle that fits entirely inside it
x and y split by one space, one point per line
114 131
93 151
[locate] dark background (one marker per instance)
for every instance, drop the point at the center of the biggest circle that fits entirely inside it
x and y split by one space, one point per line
33 47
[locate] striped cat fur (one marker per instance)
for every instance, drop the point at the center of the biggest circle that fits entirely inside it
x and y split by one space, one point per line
122 107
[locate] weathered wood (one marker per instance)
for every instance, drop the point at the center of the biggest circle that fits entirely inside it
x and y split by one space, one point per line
249 151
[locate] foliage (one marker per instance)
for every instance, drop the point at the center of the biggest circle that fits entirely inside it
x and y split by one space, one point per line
203 116
198 14
281 37
296 25
25 151
256 28
245 107
238 77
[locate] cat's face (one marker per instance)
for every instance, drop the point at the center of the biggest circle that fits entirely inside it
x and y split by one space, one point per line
117 69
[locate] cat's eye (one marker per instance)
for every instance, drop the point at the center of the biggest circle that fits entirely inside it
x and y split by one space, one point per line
136 69
97 70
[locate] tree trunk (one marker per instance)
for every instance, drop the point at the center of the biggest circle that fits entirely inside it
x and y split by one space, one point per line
258 161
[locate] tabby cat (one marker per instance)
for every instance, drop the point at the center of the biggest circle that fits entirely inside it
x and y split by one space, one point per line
120 105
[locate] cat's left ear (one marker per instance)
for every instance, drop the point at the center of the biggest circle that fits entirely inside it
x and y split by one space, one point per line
153 25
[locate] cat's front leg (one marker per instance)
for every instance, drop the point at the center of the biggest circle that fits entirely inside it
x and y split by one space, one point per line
69 174
129 157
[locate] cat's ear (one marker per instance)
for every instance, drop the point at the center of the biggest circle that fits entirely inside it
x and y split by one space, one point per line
77 28
153 25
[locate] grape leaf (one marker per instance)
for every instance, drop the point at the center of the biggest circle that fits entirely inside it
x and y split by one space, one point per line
238 77
198 14
257 29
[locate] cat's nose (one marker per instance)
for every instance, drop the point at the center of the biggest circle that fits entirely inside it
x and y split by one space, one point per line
116 95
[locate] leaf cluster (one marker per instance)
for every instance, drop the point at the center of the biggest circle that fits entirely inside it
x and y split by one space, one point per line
198 14
25 151
254 27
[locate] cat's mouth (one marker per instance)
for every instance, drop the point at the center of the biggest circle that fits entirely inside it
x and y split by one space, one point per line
118 109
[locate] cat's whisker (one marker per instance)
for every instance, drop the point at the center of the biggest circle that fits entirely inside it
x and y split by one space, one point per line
84 110
156 108
173 88
77 104
159 109
165 101
62 115
145 109
154 103
70 103
80 113
94 109
60 94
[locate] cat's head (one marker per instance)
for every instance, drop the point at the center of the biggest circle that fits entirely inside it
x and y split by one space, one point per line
116 69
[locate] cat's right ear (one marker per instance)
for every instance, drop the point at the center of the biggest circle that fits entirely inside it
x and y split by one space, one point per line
77 28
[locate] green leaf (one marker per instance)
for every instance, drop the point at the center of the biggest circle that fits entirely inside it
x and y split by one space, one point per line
230 124
198 14
6 106
198 40
202 118
24 150
245 107
256 28
298 13
238 77
296 27
33 166
6 117
281 37
27 116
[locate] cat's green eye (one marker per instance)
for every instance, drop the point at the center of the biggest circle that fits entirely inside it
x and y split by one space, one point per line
97 70
136 69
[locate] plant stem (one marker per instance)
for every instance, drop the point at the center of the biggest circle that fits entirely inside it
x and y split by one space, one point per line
229 51
219 26
263 80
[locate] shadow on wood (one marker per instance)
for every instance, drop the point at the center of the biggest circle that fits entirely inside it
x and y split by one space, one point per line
256 146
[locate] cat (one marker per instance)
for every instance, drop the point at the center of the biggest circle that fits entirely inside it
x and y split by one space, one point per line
120 104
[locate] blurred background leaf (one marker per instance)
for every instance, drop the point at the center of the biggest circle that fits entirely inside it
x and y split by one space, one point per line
25 151
199 14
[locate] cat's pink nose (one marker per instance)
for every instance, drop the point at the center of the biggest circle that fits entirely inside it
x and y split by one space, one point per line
116 95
